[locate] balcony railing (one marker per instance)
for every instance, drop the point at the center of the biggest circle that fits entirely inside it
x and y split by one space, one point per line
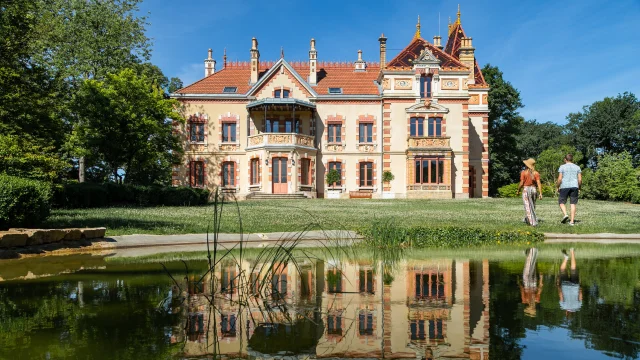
277 139
428 142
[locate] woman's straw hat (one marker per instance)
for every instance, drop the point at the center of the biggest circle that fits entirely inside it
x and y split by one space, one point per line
530 163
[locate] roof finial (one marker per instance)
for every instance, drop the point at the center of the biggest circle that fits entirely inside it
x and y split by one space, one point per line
224 58
417 35
458 13
281 52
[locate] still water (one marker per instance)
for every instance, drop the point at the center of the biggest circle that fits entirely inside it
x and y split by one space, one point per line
535 306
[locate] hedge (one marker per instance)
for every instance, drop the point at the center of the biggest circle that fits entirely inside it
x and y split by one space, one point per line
389 235
91 195
511 191
23 202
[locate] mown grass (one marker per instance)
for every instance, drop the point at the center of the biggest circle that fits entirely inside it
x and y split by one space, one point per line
286 215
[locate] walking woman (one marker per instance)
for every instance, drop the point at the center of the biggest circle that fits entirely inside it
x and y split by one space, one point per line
529 180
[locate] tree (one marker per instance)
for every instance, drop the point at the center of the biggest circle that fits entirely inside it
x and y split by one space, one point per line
504 126
614 179
550 160
536 137
175 84
611 125
23 157
31 96
127 123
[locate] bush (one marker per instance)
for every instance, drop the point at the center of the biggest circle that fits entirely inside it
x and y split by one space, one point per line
614 179
388 235
23 202
90 195
511 191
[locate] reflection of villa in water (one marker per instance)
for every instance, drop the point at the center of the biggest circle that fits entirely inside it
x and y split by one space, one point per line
428 309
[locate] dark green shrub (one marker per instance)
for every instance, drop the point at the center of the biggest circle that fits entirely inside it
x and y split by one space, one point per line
511 191
23 202
389 235
91 195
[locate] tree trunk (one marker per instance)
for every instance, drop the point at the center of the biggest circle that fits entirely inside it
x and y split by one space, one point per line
81 170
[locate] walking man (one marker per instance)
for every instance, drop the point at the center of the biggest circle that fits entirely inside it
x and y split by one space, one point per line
569 182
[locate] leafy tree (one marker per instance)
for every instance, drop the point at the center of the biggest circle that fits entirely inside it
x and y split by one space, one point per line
91 38
536 137
23 157
504 127
127 122
31 97
175 84
550 160
611 125
614 179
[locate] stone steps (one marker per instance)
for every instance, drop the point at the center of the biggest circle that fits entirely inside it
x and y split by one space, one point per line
263 196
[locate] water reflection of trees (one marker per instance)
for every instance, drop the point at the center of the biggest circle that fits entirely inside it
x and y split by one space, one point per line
608 320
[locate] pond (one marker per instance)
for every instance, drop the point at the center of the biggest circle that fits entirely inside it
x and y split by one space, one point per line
531 305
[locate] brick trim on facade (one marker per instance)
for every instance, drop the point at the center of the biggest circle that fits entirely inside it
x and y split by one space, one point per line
374 181
465 149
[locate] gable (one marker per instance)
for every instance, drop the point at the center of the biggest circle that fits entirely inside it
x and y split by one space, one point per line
279 75
414 50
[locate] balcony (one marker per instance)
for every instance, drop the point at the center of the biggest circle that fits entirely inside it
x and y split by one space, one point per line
280 140
429 142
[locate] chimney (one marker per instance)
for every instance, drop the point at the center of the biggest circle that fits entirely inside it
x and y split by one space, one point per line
224 58
255 61
209 65
467 56
383 51
437 41
360 64
313 62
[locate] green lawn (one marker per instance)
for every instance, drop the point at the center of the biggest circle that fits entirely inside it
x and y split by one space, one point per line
286 215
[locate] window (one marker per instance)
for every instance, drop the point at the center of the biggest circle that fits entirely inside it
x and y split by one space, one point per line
435 329
255 171
366 281
195 326
229 173
228 132
229 89
366 132
417 126
285 94
430 285
196 176
366 174
334 324
365 323
228 325
274 126
338 167
305 171
334 281
281 94
335 133
197 132
429 171
435 127
334 90
279 285
228 284
417 330
425 87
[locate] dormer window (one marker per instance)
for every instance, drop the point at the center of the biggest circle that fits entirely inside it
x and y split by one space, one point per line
284 94
335 91
230 89
425 87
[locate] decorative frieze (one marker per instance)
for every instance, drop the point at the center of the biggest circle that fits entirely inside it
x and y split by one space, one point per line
428 142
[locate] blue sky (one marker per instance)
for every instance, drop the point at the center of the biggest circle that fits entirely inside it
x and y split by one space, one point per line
561 55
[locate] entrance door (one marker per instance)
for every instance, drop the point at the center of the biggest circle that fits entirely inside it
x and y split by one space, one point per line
279 175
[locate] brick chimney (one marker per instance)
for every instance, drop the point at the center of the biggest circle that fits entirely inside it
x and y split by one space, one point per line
360 65
467 56
383 51
437 42
209 65
255 61
313 63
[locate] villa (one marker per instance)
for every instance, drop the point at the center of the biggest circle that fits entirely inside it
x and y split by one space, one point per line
275 128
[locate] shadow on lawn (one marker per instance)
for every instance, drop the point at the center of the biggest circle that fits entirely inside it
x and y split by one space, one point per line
76 219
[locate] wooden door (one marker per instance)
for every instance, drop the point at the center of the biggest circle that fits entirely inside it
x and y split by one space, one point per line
279 176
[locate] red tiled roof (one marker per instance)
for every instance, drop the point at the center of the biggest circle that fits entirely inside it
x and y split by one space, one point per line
413 50
455 40
330 74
